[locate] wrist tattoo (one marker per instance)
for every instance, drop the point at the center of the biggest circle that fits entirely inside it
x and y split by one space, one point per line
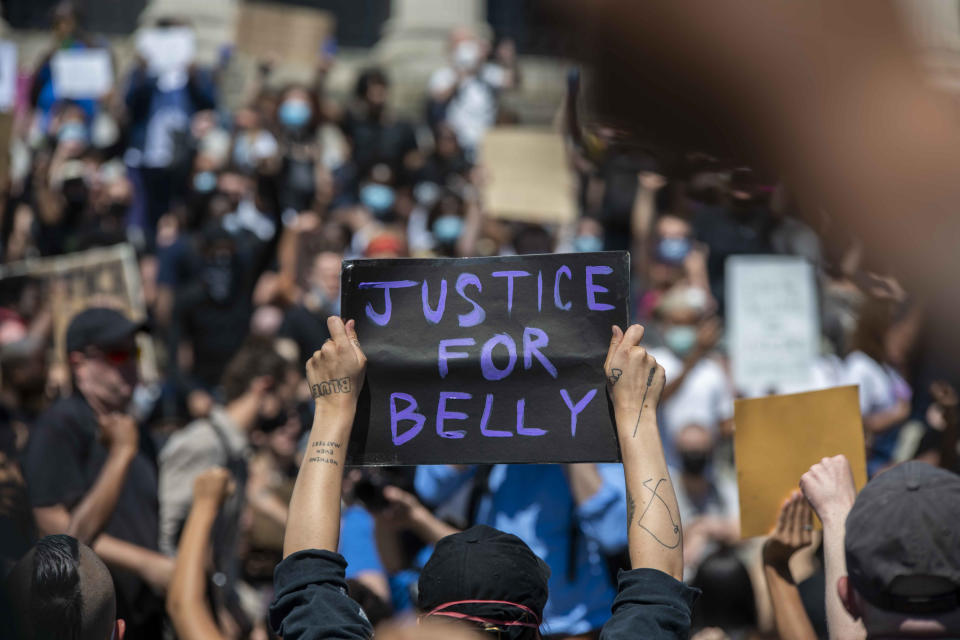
335 385
323 451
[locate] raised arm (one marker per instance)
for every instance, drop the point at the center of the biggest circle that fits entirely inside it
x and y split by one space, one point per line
794 531
654 531
186 600
335 374
829 488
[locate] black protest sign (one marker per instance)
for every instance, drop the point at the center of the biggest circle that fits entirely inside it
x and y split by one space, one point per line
485 360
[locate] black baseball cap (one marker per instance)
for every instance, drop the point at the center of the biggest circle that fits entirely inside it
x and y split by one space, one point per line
486 576
903 540
99 327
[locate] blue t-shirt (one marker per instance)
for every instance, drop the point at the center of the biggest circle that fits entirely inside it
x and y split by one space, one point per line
534 503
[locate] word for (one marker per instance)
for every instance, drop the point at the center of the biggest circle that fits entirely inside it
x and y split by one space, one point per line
404 409
477 313
325 388
533 340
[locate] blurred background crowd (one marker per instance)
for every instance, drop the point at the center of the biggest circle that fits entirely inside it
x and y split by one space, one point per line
240 215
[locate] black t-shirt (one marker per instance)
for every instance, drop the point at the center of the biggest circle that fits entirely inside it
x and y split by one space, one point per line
62 461
728 232
306 328
375 141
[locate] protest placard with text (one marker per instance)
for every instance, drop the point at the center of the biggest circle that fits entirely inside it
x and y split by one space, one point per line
484 360
81 73
773 328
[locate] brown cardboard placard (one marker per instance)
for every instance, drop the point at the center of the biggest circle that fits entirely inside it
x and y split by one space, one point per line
778 438
529 179
290 33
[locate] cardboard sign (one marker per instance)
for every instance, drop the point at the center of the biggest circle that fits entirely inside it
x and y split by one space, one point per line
485 360
105 277
81 73
167 50
778 438
529 177
773 323
8 76
292 34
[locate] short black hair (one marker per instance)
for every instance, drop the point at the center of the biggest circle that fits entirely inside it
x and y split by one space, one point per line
60 589
369 77
257 357
56 603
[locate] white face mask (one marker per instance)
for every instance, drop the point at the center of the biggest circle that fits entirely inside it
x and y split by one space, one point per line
466 55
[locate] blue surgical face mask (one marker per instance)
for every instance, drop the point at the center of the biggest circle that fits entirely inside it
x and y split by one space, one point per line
587 244
377 197
446 229
204 182
295 114
72 131
673 250
680 339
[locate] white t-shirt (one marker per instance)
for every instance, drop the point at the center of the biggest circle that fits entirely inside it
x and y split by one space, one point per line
473 107
880 386
704 398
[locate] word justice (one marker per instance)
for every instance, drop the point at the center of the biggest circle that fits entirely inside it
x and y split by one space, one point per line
407 420
562 284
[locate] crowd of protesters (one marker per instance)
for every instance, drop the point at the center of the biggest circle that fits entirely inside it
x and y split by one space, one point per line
185 486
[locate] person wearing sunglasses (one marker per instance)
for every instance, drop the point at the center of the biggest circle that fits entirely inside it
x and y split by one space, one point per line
91 476
485 579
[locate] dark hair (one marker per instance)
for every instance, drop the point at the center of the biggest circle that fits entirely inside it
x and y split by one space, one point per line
56 604
369 77
257 357
727 599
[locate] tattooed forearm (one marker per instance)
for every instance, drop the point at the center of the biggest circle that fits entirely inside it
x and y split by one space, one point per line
643 400
631 508
325 388
323 451
614 376
666 532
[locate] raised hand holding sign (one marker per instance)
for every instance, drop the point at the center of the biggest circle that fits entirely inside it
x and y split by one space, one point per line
486 359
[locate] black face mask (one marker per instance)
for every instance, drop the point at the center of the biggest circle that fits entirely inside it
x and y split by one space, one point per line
694 462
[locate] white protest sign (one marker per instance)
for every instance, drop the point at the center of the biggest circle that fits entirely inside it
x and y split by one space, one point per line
8 74
773 328
81 73
167 50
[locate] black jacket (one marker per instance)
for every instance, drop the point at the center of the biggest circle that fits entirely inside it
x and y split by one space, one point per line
311 603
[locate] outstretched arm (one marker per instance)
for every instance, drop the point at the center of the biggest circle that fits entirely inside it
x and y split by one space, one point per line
829 487
654 531
335 374
186 600
794 531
